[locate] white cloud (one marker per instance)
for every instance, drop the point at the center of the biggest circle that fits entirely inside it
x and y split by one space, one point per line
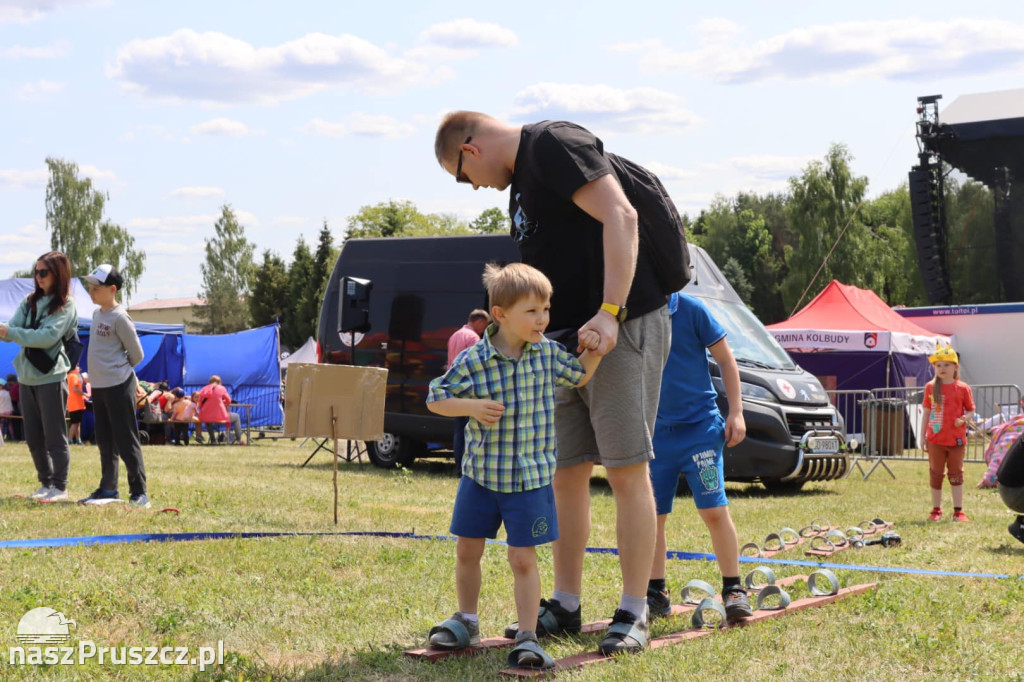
289 220
666 172
53 50
169 249
185 224
25 11
225 127
12 178
217 68
768 167
363 125
96 175
323 128
21 247
637 110
197 192
40 91
898 49
463 34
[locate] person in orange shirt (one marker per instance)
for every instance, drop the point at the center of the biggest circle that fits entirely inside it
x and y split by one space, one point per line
947 402
78 395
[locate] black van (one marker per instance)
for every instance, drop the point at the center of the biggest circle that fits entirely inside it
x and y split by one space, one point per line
420 290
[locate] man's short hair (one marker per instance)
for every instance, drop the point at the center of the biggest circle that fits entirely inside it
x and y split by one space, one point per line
214 379
479 314
455 127
509 284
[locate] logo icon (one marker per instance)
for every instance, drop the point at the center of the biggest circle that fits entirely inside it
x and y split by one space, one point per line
786 388
870 339
43 625
540 527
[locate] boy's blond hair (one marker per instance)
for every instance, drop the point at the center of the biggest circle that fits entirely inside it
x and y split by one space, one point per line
507 285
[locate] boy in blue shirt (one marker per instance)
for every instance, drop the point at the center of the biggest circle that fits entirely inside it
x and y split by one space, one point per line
505 384
689 436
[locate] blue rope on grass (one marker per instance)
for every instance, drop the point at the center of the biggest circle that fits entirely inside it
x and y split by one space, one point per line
674 555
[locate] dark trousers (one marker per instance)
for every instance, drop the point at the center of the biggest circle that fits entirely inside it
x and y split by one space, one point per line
117 436
42 411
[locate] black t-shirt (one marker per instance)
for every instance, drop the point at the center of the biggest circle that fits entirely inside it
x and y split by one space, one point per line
554 235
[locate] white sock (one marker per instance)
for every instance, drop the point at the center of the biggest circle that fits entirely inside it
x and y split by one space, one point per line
470 617
569 601
635 605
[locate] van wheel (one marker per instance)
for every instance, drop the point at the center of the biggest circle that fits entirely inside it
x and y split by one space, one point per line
391 451
777 486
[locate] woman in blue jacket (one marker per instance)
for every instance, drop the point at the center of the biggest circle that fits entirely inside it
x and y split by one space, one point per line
42 366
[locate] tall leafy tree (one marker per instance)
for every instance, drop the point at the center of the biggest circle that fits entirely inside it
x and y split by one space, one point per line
386 219
323 263
491 221
74 215
971 243
227 277
269 301
823 211
301 317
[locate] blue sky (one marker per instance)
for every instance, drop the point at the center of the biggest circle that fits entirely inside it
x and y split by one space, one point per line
296 112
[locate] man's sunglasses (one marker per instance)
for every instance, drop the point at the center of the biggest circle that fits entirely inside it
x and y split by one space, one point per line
42 272
459 177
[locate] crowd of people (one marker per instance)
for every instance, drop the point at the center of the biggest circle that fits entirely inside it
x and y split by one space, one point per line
46 400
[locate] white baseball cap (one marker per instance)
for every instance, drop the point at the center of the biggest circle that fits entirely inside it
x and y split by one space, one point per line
105 275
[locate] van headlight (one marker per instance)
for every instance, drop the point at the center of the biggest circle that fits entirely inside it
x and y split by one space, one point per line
755 392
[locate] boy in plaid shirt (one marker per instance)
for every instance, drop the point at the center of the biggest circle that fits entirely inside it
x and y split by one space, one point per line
505 384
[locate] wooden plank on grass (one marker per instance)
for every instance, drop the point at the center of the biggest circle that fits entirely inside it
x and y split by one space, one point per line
591 657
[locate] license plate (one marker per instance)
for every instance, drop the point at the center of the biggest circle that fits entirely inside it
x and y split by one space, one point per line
817 444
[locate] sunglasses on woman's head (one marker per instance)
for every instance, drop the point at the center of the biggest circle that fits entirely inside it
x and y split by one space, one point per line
42 272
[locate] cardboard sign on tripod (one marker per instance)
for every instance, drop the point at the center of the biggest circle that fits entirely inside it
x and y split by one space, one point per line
335 401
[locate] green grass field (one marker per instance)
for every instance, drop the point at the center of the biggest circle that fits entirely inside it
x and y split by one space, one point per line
315 608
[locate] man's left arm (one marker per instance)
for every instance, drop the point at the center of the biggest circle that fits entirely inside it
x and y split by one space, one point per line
604 200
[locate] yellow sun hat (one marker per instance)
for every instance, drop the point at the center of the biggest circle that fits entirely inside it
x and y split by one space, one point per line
946 354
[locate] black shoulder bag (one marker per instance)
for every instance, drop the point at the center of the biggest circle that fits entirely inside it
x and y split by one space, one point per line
42 360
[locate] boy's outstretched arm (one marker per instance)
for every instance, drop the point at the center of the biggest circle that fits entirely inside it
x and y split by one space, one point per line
735 425
589 340
487 412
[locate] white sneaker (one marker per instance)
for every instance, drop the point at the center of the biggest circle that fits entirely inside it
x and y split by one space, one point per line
41 493
56 495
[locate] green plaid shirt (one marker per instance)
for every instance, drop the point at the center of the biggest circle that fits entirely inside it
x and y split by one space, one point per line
519 452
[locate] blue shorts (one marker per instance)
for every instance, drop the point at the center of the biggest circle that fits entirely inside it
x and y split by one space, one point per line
696 451
529 516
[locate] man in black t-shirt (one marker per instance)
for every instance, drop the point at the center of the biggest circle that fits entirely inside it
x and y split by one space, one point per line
571 220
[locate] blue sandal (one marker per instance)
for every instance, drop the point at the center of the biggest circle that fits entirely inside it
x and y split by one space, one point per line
529 654
454 633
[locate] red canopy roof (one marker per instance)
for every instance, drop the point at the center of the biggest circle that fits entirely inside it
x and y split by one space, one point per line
845 307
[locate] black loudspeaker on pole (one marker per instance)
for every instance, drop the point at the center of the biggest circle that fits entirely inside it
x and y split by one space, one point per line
925 184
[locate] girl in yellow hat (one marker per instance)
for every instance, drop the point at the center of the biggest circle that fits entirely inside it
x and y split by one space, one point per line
947 401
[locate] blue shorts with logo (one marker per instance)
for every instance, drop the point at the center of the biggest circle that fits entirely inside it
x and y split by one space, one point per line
529 516
694 450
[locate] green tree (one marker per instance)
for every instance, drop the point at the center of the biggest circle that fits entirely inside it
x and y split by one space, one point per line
227 277
823 211
386 219
491 221
734 273
893 268
74 215
269 300
301 317
323 263
971 243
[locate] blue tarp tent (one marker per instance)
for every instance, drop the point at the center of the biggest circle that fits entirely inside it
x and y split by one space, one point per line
247 362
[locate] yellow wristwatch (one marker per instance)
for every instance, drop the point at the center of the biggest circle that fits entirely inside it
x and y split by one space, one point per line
616 311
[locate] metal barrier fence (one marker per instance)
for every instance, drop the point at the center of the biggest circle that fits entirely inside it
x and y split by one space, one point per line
886 422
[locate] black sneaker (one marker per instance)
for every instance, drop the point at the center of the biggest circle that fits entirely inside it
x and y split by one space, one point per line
626 635
552 614
101 496
737 606
659 603
1017 528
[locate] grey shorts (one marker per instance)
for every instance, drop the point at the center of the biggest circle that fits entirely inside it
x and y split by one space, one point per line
610 421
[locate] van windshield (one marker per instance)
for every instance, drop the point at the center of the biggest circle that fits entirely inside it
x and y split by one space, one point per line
751 343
